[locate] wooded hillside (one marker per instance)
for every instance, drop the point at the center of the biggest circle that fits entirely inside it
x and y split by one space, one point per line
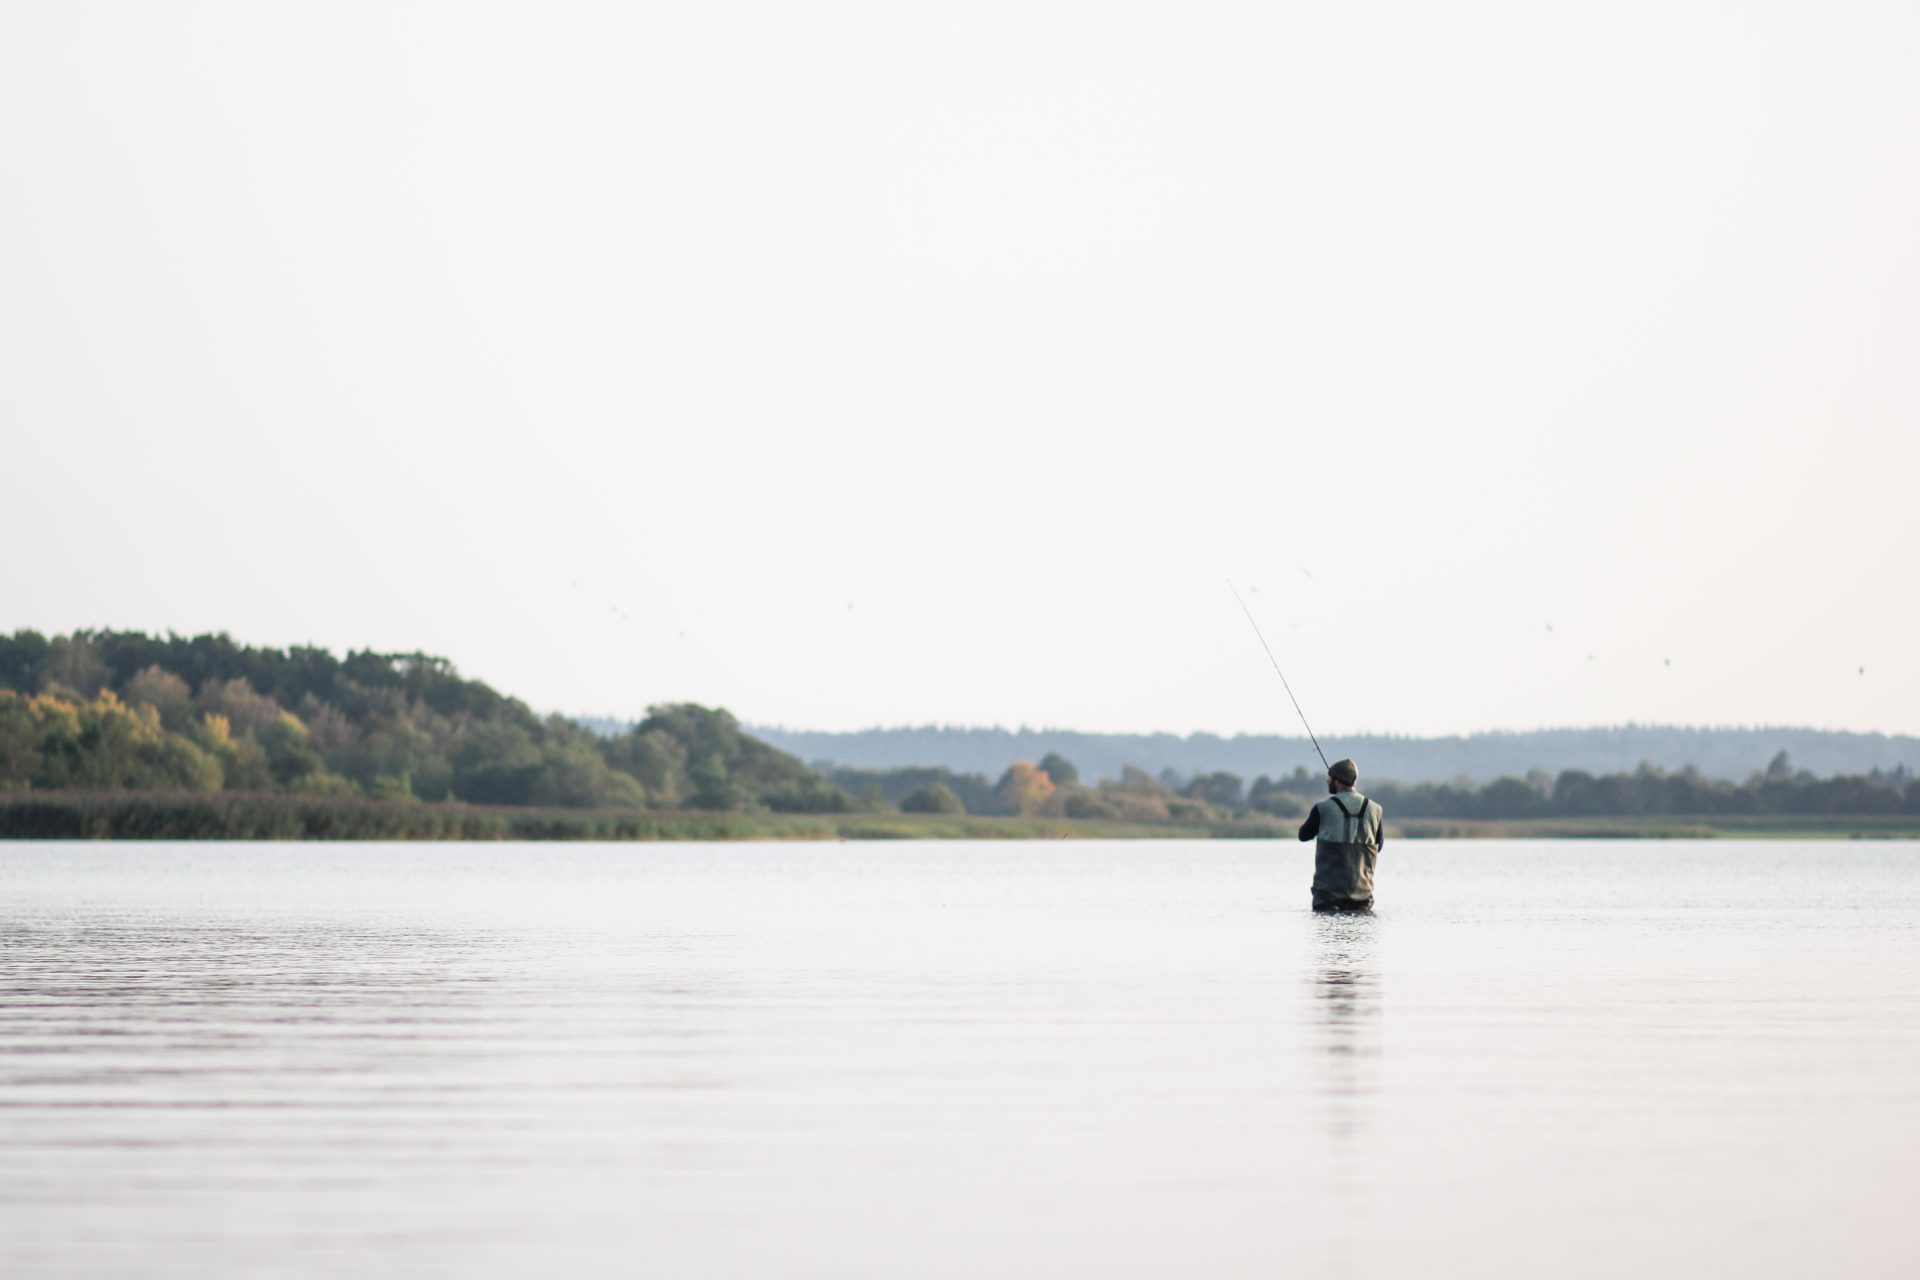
111 710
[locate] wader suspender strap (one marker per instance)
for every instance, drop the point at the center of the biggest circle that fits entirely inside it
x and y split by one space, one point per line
1346 828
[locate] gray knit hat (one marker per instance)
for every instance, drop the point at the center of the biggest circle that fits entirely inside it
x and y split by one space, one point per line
1344 771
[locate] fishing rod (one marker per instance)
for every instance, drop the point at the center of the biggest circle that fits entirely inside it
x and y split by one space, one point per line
1283 675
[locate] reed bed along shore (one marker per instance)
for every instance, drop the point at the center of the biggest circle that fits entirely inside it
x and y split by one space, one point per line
235 816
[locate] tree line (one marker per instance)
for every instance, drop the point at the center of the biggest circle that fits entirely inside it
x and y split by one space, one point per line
114 711
1727 752
1649 791
1049 788
107 711
1052 788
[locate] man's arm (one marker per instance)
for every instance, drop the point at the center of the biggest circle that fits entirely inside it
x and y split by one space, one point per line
1311 827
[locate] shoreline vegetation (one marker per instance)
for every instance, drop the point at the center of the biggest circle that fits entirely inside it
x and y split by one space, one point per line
163 816
120 735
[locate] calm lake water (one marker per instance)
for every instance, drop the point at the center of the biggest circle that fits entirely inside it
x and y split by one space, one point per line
897 1060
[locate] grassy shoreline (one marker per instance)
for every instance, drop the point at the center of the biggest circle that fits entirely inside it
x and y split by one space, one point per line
140 816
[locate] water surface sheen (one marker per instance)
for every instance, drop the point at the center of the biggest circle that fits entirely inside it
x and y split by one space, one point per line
958 1059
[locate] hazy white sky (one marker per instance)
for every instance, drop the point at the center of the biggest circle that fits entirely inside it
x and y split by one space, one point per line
856 364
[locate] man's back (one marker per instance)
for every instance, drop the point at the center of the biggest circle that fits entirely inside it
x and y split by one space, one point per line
1349 831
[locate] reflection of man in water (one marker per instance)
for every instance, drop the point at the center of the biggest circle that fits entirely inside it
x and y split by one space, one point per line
1350 829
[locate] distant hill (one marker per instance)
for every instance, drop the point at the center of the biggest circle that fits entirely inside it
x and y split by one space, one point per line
1732 754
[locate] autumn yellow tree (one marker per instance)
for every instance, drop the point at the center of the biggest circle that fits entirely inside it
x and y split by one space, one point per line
1025 787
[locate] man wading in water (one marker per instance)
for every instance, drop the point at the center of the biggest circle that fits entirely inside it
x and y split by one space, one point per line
1350 829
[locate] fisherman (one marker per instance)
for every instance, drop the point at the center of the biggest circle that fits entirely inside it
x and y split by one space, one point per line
1350 829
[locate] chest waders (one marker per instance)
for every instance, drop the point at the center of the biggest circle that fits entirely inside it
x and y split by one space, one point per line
1343 863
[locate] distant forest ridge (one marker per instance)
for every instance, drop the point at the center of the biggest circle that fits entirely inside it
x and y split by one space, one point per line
1733 754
